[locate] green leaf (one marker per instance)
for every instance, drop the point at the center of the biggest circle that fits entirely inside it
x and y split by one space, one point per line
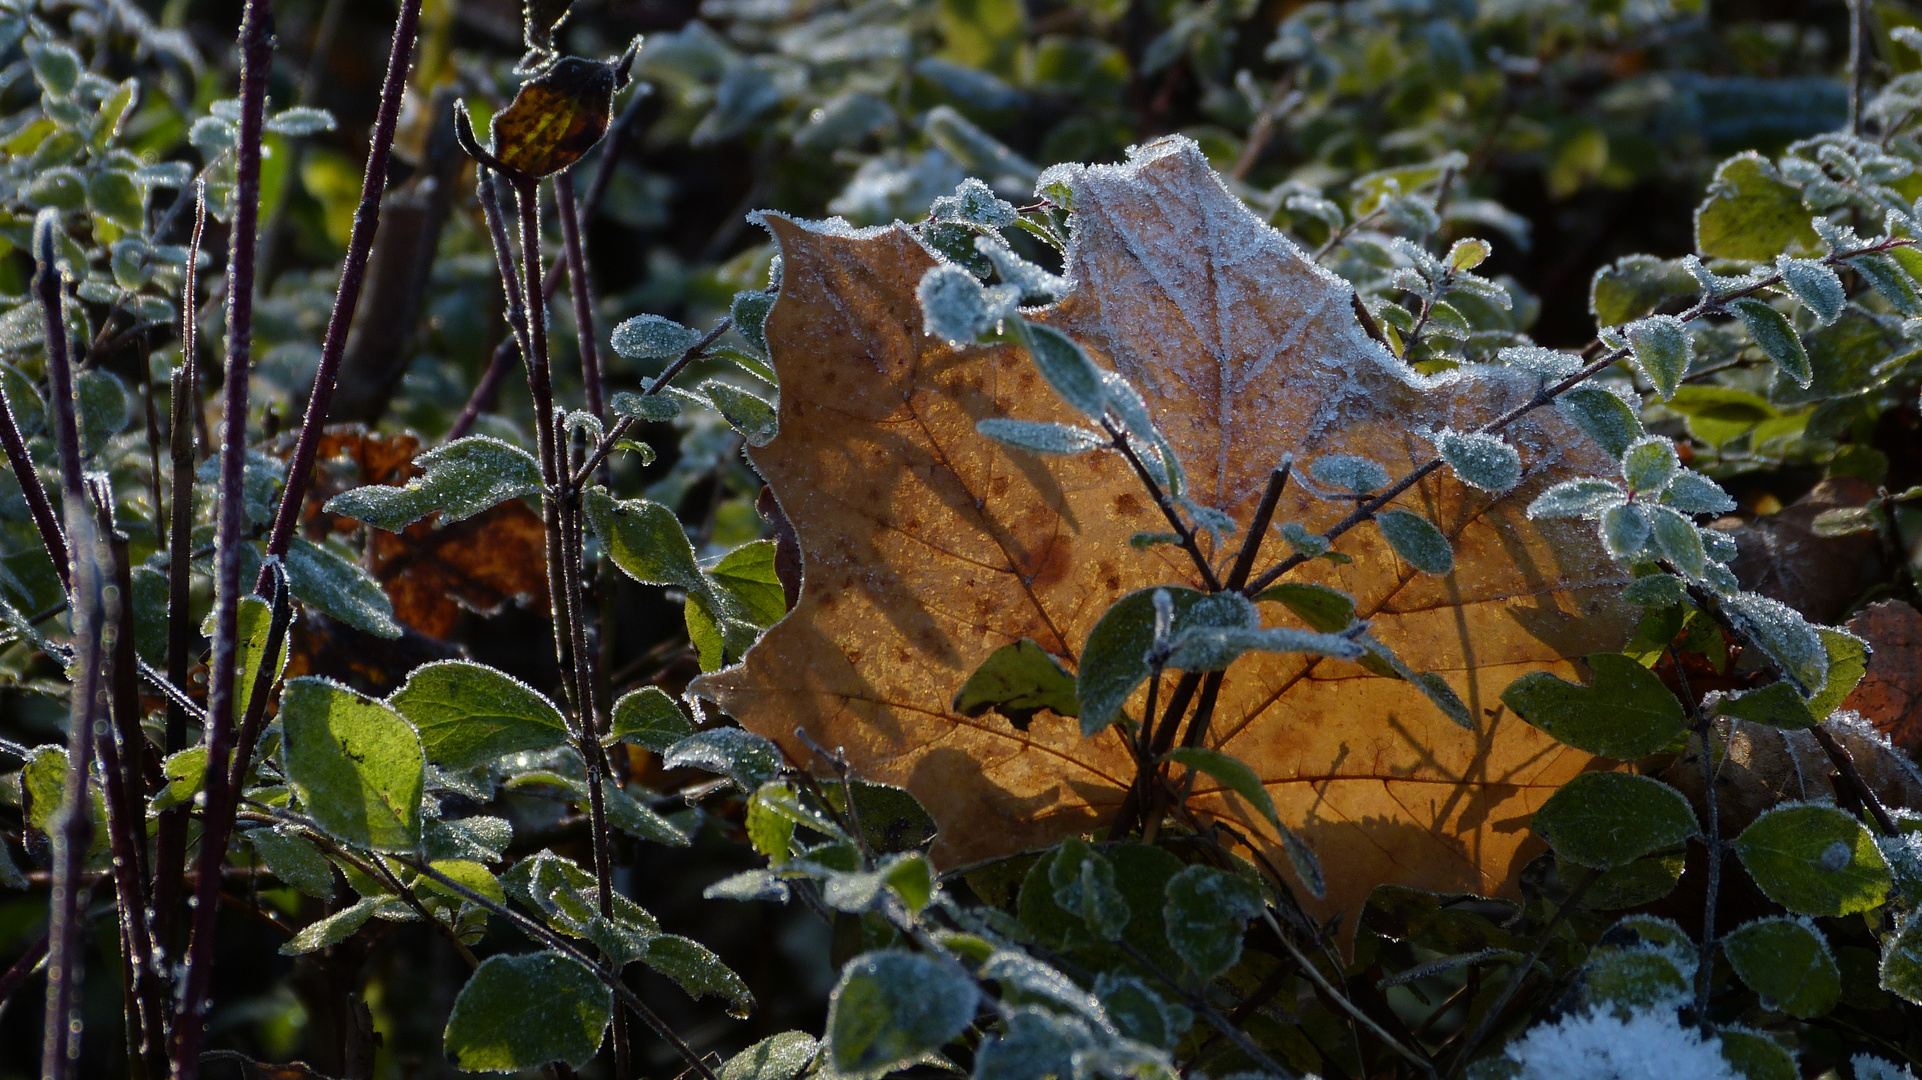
646 406
695 968
186 773
892 820
1856 353
1479 460
29 412
1776 335
103 406
1041 437
292 858
255 624
1755 1056
1634 286
1637 977
1113 662
1606 820
1240 779
1752 214
750 311
1018 681
461 479
1603 415
635 818
1815 285
465 872
469 713
1901 969
1204 911
1065 365
1660 346
746 758
891 1007
1848 663
646 541
44 782
1084 885
1787 961
114 195
522 1012
1887 277
1623 712
1778 705
777 1057
1322 608
1814 860
335 928
1419 543
648 717
321 578
651 337
752 416
356 764
747 576
1718 414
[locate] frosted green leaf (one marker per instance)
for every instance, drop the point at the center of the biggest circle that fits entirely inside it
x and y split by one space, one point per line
1754 1055
522 1012
1901 974
752 416
1041 437
355 763
777 1057
1678 540
335 928
469 714
1634 286
976 203
185 773
1655 591
636 818
1660 347
1084 885
1751 214
1782 633
1585 497
695 968
891 1007
1692 493
1203 913
1348 472
749 311
651 337
646 406
1141 1013
957 309
1237 777
1480 460
1037 286
29 412
300 121
1602 414
1637 977
1623 712
56 67
114 195
104 408
648 717
324 579
466 873
1776 705
1419 543
1650 463
1787 961
1772 330
1606 820
746 758
461 479
1625 531
1024 978
1814 860
1065 365
293 859
1035 1045
646 541
1466 254
1814 284
62 188
1017 681
254 624
1114 659
1887 277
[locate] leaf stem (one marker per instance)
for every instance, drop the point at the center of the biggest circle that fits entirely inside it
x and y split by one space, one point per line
1164 502
1704 733
353 275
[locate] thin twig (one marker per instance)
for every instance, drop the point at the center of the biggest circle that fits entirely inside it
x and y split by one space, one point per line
1711 837
353 275
1164 502
1520 974
256 54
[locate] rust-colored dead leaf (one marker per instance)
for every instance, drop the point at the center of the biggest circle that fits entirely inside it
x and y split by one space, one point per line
1890 695
1768 766
431 574
927 546
557 116
1779 555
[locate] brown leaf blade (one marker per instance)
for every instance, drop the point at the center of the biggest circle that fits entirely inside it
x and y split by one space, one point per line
927 546
556 117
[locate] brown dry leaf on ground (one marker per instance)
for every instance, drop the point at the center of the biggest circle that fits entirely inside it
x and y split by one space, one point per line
431 574
1890 695
927 546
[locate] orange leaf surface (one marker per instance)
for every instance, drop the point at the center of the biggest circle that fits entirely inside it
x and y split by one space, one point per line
927 546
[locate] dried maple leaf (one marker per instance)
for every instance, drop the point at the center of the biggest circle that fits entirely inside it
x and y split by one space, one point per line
927 546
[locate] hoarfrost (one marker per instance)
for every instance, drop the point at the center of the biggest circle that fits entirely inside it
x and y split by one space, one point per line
1599 1045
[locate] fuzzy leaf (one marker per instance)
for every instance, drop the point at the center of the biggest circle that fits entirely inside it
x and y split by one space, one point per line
1776 335
522 1012
1607 820
1814 860
1623 712
469 714
648 717
355 763
1788 962
891 1007
1660 346
460 480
